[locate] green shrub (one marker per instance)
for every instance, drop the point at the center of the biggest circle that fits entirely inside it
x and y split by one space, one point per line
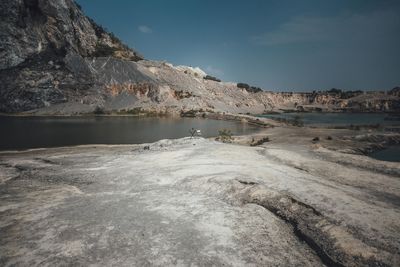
243 85
134 111
98 110
103 50
315 139
212 78
248 88
180 94
225 136
190 113
259 141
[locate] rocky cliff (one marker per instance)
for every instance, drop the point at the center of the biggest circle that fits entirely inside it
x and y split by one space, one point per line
54 59
42 50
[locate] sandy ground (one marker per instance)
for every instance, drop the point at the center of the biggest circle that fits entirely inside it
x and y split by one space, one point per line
198 202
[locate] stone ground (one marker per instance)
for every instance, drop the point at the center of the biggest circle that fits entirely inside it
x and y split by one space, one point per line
198 202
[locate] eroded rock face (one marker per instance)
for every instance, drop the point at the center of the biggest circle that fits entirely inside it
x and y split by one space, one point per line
42 51
30 27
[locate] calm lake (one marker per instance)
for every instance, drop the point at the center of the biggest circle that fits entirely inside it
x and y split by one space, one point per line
391 153
35 132
339 118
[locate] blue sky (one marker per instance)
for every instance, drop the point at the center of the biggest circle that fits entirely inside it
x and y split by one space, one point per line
278 45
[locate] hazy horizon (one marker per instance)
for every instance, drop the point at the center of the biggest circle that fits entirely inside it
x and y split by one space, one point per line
275 45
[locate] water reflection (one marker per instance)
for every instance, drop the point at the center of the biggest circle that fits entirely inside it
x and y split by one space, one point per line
33 132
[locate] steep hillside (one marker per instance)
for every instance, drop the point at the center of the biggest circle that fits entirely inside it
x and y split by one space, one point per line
42 47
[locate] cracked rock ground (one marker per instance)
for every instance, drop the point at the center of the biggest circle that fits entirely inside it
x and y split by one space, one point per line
198 202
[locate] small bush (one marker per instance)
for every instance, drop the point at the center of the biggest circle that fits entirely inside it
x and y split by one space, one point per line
243 85
225 136
248 88
329 138
134 111
259 141
254 89
212 78
190 113
335 91
180 94
98 110
103 50
315 139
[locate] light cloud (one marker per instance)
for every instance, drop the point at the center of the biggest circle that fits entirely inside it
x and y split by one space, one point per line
300 29
214 71
145 29
349 51
325 29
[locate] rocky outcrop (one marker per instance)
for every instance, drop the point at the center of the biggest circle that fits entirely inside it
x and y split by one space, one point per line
31 27
43 46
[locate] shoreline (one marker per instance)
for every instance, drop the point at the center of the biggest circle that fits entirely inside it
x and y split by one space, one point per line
384 140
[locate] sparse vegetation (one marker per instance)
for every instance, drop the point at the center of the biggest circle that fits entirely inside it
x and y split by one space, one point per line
134 111
99 110
137 111
225 136
103 50
209 77
335 91
343 94
296 121
78 6
259 141
190 113
254 89
243 86
180 94
114 38
248 88
98 29
315 139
